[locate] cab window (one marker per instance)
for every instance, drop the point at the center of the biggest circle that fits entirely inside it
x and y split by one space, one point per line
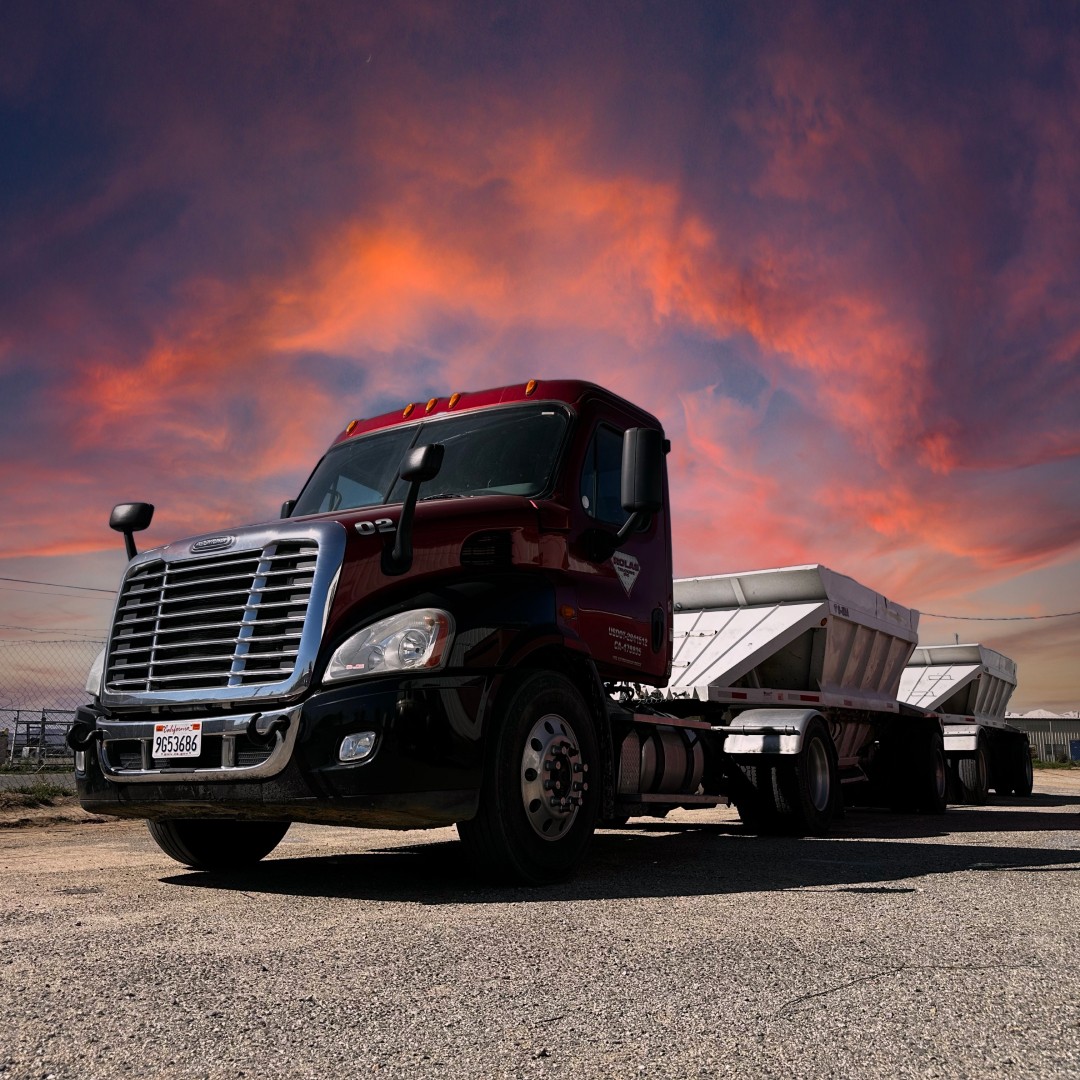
601 478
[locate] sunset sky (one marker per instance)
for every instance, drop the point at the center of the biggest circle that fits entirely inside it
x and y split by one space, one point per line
835 248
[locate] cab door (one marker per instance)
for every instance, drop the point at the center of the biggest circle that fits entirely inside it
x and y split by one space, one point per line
624 597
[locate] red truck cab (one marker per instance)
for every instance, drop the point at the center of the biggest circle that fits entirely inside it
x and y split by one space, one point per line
422 639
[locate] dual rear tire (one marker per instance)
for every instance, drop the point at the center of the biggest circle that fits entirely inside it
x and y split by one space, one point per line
797 794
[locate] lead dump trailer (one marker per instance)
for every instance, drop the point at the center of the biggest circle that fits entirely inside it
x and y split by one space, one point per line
969 687
805 666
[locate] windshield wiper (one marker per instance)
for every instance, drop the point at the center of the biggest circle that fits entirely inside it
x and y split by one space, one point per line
445 495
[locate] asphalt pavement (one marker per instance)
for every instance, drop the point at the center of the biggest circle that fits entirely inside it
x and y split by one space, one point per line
898 947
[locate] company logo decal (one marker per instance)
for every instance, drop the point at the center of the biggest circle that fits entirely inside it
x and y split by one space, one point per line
213 543
628 568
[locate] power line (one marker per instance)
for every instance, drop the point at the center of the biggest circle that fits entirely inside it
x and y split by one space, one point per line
58 585
999 618
55 596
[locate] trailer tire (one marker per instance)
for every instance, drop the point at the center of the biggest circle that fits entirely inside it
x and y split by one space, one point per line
917 775
973 774
753 790
216 845
929 774
1018 775
808 784
545 735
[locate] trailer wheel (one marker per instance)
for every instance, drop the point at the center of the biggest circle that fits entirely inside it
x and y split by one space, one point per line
808 785
538 809
973 774
205 844
753 790
1018 775
929 775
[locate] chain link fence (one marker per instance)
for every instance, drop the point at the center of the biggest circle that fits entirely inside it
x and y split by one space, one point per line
41 685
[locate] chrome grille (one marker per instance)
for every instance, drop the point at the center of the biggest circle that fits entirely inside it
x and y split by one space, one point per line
233 619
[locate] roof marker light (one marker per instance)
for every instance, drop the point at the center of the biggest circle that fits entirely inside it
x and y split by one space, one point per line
408 411
530 387
351 427
454 399
431 404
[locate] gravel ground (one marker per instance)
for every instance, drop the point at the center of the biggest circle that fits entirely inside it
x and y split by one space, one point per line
685 949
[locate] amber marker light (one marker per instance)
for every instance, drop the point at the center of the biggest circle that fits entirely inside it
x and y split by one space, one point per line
530 387
454 399
568 612
431 404
351 427
408 411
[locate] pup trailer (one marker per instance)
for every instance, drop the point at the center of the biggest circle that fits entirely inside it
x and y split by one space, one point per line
468 617
968 687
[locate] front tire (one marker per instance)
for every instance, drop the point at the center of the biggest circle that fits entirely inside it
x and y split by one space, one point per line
205 844
540 799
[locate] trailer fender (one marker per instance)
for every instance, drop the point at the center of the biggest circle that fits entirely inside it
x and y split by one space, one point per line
961 738
768 731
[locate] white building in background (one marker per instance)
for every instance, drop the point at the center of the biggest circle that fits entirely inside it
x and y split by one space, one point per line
1052 735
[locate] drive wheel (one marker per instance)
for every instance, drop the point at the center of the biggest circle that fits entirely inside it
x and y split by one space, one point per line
973 774
809 784
206 844
538 809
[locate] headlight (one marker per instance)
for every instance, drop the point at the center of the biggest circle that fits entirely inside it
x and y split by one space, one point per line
411 641
97 670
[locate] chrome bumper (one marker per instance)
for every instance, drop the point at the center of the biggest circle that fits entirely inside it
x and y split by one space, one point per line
221 735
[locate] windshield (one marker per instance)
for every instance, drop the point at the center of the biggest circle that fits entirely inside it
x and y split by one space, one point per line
507 451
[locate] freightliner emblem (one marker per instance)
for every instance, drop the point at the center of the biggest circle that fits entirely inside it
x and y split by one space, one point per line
213 543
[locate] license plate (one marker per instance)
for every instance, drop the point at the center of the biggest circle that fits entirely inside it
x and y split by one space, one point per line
178 739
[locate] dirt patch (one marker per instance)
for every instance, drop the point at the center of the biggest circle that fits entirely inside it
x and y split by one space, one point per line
18 810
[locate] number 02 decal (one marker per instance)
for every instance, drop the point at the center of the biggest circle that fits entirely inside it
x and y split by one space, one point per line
370 528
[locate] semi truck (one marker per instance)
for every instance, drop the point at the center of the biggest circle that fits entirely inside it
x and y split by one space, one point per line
468 617
968 687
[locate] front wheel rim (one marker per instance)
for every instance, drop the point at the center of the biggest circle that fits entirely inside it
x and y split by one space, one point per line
553 777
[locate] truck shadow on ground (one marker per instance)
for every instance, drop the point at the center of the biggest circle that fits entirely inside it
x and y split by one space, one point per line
656 859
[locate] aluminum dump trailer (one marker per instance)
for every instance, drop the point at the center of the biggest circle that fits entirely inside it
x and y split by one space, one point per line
783 648
969 687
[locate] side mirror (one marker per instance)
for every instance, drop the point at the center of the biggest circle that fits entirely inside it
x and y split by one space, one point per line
129 518
642 476
421 463
643 470
287 507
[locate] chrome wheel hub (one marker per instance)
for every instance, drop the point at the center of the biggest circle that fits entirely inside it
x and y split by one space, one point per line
553 777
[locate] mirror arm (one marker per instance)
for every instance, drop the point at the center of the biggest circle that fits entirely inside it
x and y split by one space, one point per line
400 556
628 526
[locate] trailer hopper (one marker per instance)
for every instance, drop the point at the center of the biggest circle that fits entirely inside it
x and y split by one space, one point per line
796 634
